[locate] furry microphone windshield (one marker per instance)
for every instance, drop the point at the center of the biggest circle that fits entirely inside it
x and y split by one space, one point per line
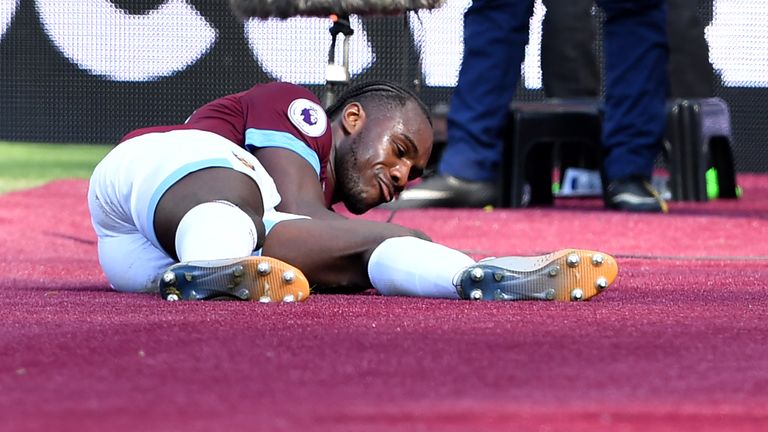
324 8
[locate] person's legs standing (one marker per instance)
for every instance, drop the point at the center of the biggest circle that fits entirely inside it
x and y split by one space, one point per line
495 35
636 56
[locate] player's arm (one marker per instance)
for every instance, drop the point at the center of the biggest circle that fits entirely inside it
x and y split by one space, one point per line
296 181
289 133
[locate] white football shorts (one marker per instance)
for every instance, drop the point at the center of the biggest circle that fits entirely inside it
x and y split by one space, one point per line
128 183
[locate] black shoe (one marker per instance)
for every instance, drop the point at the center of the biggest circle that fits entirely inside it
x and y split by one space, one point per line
634 194
446 191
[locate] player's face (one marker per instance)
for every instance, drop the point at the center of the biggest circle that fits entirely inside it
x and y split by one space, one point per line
387 152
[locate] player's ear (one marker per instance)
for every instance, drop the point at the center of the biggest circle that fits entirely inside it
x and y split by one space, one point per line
353 117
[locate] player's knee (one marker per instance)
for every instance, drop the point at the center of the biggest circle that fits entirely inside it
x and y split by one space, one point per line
216 230
259 225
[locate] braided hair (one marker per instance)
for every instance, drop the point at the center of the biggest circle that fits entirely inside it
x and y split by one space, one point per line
381 94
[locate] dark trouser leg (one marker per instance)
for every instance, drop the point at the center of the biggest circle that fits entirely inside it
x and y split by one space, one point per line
568 62
495 34
636 57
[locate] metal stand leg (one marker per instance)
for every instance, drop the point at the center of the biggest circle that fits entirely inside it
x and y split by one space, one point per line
335 73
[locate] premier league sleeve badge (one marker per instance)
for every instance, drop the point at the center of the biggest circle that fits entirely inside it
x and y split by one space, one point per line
308 117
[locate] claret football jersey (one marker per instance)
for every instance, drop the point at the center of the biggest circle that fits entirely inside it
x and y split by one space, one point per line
267 115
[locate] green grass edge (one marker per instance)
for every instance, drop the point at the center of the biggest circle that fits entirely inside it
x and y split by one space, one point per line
27 165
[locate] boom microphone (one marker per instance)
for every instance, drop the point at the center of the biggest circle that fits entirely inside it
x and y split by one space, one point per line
324 8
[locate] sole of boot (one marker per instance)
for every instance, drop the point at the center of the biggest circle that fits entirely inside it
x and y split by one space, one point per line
260 279
565 275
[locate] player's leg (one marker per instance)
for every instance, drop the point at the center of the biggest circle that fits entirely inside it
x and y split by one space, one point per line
211 220
335 256
227 203
203 198
128 259
353 255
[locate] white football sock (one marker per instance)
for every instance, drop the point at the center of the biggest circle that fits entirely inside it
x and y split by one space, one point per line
215 230
409 266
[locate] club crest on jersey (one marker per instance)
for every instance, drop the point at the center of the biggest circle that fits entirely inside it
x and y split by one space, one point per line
308 116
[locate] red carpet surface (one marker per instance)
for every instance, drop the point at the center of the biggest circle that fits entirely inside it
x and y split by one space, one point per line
678 343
